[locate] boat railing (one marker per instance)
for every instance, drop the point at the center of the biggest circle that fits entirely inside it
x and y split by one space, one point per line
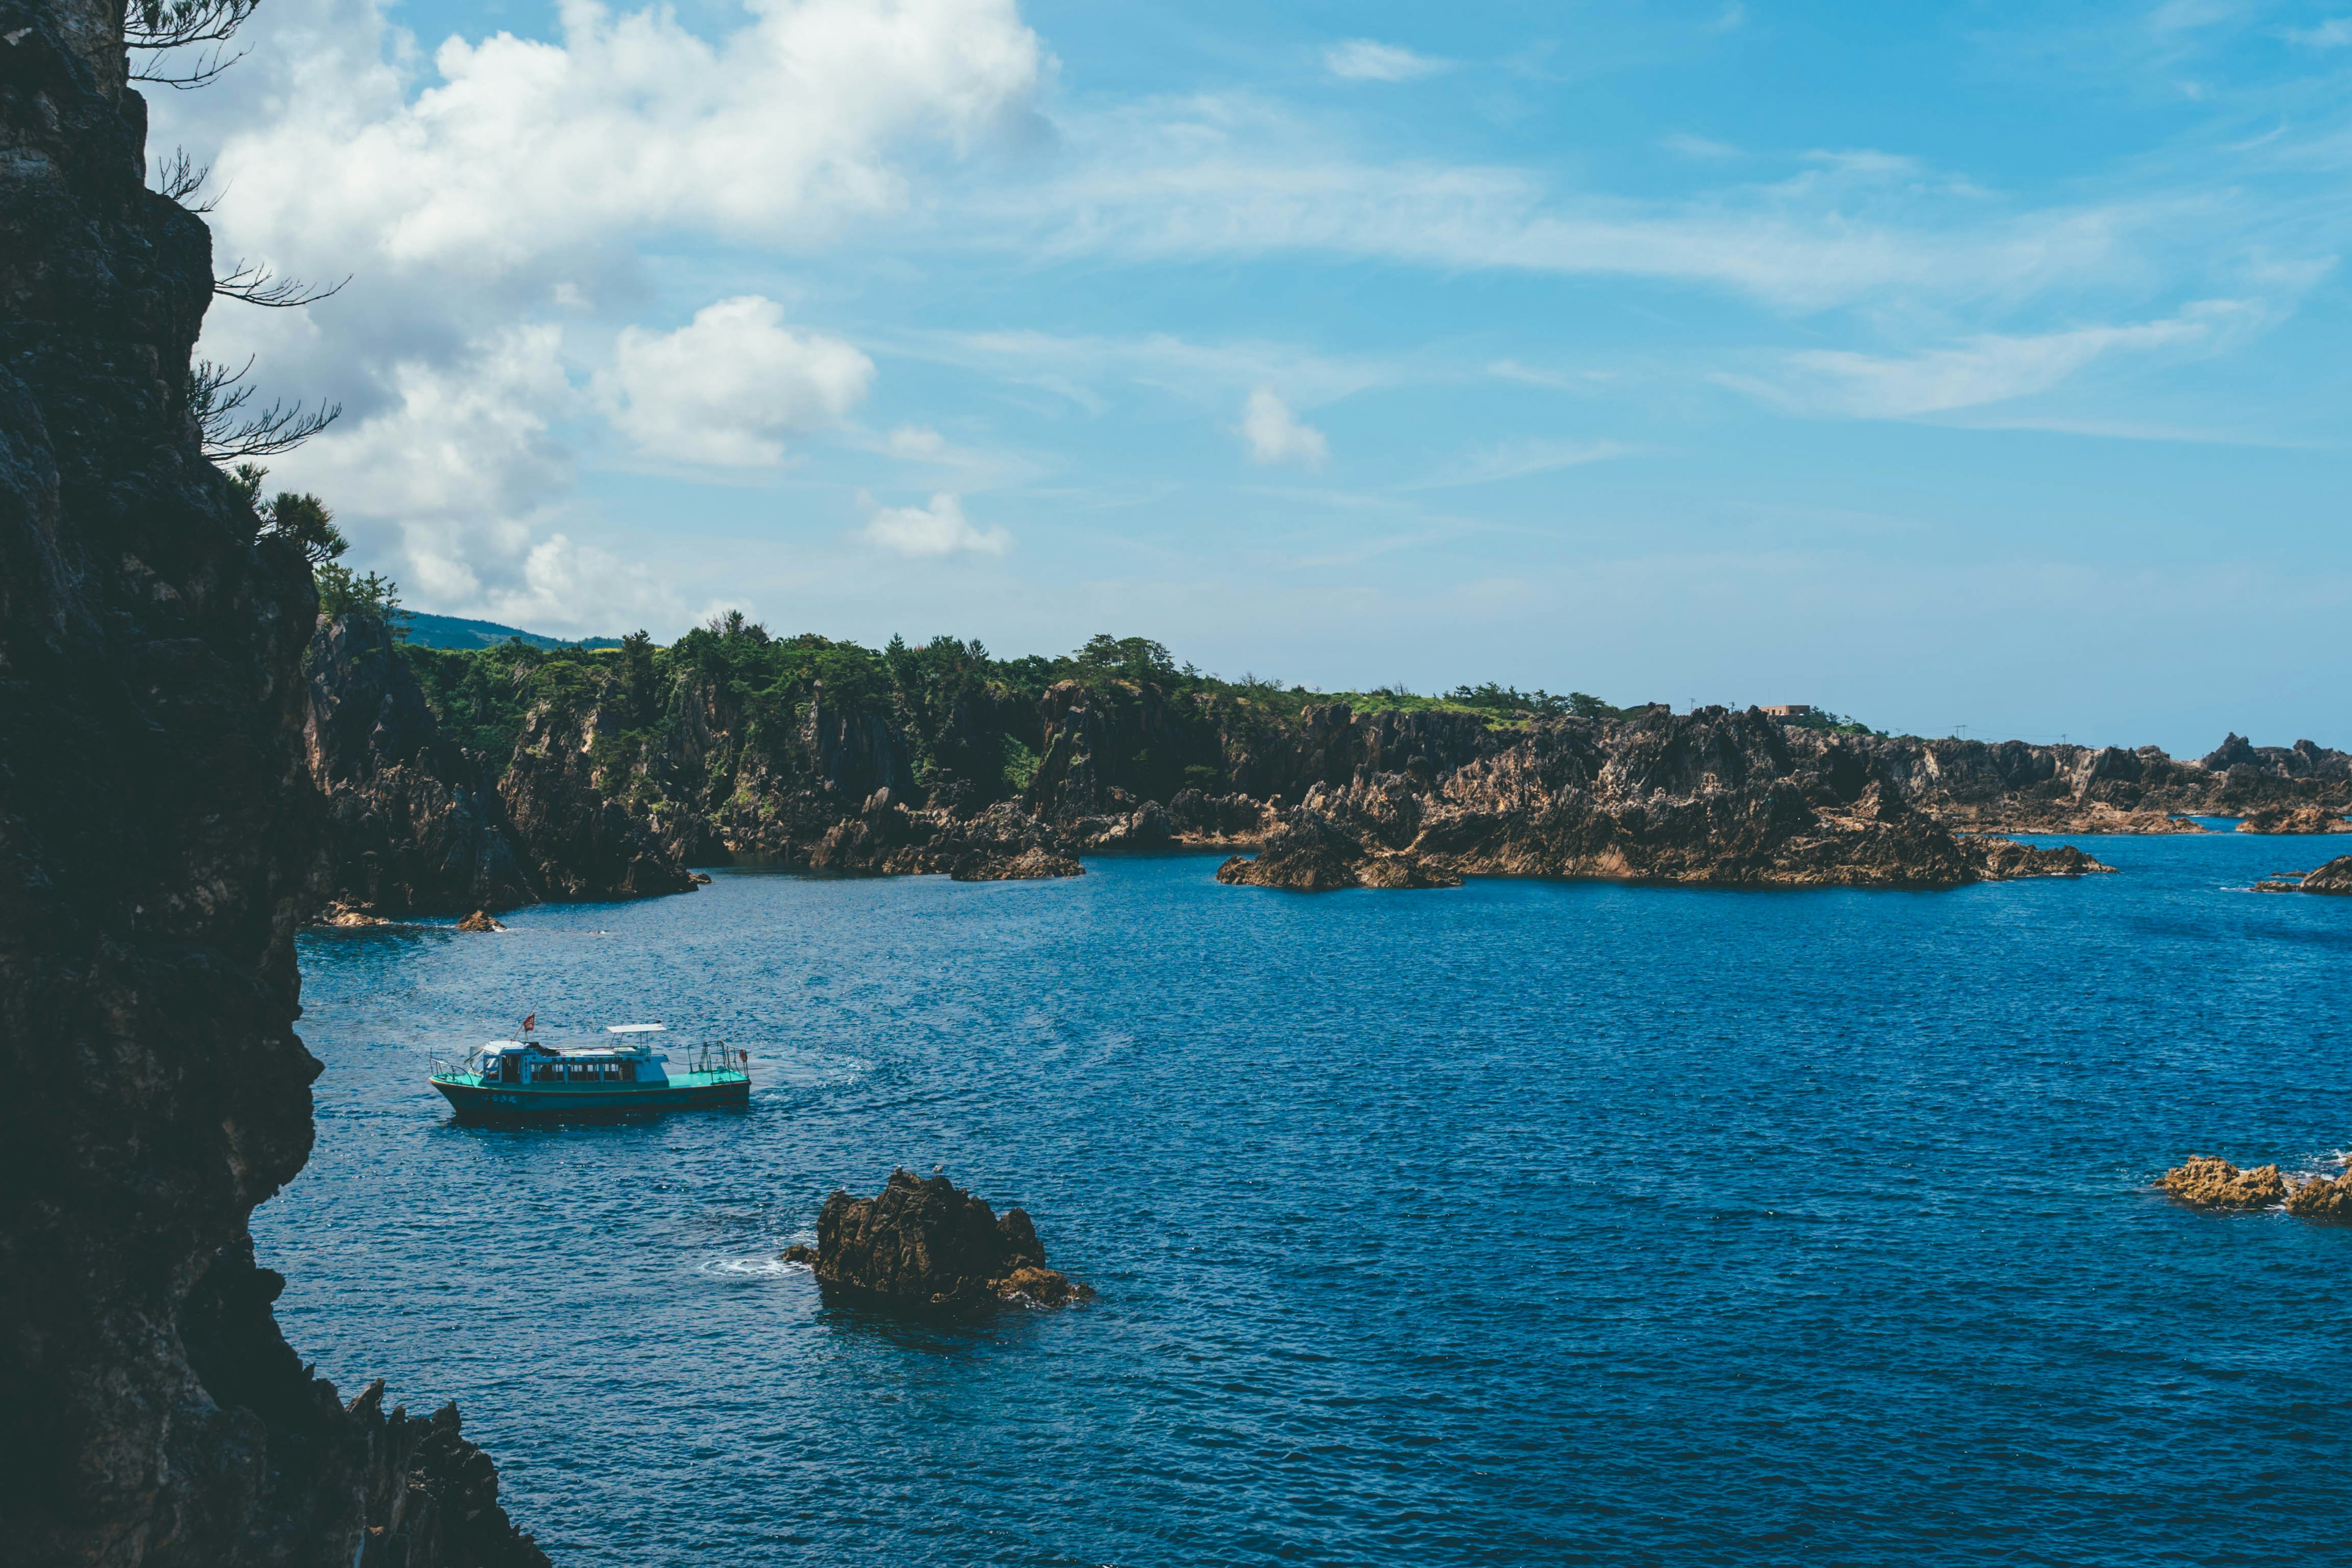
718 1056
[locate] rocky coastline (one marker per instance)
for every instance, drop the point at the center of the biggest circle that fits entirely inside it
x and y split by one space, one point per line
161 824
611 774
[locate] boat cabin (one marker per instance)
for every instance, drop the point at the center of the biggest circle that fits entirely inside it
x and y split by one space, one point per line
630 1058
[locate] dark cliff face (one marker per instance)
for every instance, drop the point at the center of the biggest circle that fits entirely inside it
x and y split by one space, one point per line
416 824
158 824
413 824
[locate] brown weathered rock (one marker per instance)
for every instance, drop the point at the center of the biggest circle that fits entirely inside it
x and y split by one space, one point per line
479 921
927 1244
1032 863
2207 1182
343 916
2295 819
2336 877
2323 1200
800 1252
1042 1287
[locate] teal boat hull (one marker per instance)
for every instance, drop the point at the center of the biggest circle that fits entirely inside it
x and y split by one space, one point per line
475 1100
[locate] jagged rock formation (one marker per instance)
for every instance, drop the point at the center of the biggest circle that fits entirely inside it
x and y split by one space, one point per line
1029 865
574 824
413 825
2207 1182
2295 819
1717 797
2323 1200
929 1244
158 825
480 920
419 825
2336 877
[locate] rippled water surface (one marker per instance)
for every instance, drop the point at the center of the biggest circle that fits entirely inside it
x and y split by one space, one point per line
1518 1223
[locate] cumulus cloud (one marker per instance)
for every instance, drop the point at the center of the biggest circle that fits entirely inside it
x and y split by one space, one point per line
729 386
1274 435
510 181
939 528
1362 60
630 122
1986 369
469 441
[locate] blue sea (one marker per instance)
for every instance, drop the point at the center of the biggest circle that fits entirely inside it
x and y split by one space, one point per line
1520 1223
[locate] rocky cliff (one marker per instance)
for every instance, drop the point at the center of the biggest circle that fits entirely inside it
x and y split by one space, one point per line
159 826
734 745
418 824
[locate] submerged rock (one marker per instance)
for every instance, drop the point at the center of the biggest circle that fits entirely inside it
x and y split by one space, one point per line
2323 1200
2206 1182
927 1244
480 920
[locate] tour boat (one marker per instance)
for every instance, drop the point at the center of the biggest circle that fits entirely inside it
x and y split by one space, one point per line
507 1078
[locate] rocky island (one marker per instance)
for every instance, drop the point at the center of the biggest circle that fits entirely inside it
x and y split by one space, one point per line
160 828
924 1243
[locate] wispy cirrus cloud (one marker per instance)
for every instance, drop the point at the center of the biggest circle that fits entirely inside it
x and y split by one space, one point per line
1521 460
1986 369
1225 176
1363 59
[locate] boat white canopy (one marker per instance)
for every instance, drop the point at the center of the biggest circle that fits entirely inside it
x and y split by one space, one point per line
636 1028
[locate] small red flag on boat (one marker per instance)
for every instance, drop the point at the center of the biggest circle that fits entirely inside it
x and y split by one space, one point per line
527 1023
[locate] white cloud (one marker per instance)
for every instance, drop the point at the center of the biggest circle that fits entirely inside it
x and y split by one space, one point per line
1519 459
508 181
727 387
1224 176
939 528
2332 34
1989 368
526 149
1274 435
1362 60
470 441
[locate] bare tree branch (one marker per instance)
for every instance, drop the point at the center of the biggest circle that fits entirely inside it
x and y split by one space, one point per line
176 23
198 75
257 285
159 27
219 402
179 178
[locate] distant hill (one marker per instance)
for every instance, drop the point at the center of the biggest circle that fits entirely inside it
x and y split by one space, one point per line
451 631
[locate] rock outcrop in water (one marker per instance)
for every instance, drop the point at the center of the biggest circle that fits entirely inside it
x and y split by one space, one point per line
2323 1200
2336 877
929 1244
159 826
2207 1182
2296 819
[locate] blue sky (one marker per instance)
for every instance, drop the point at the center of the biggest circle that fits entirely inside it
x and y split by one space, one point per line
1960 367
